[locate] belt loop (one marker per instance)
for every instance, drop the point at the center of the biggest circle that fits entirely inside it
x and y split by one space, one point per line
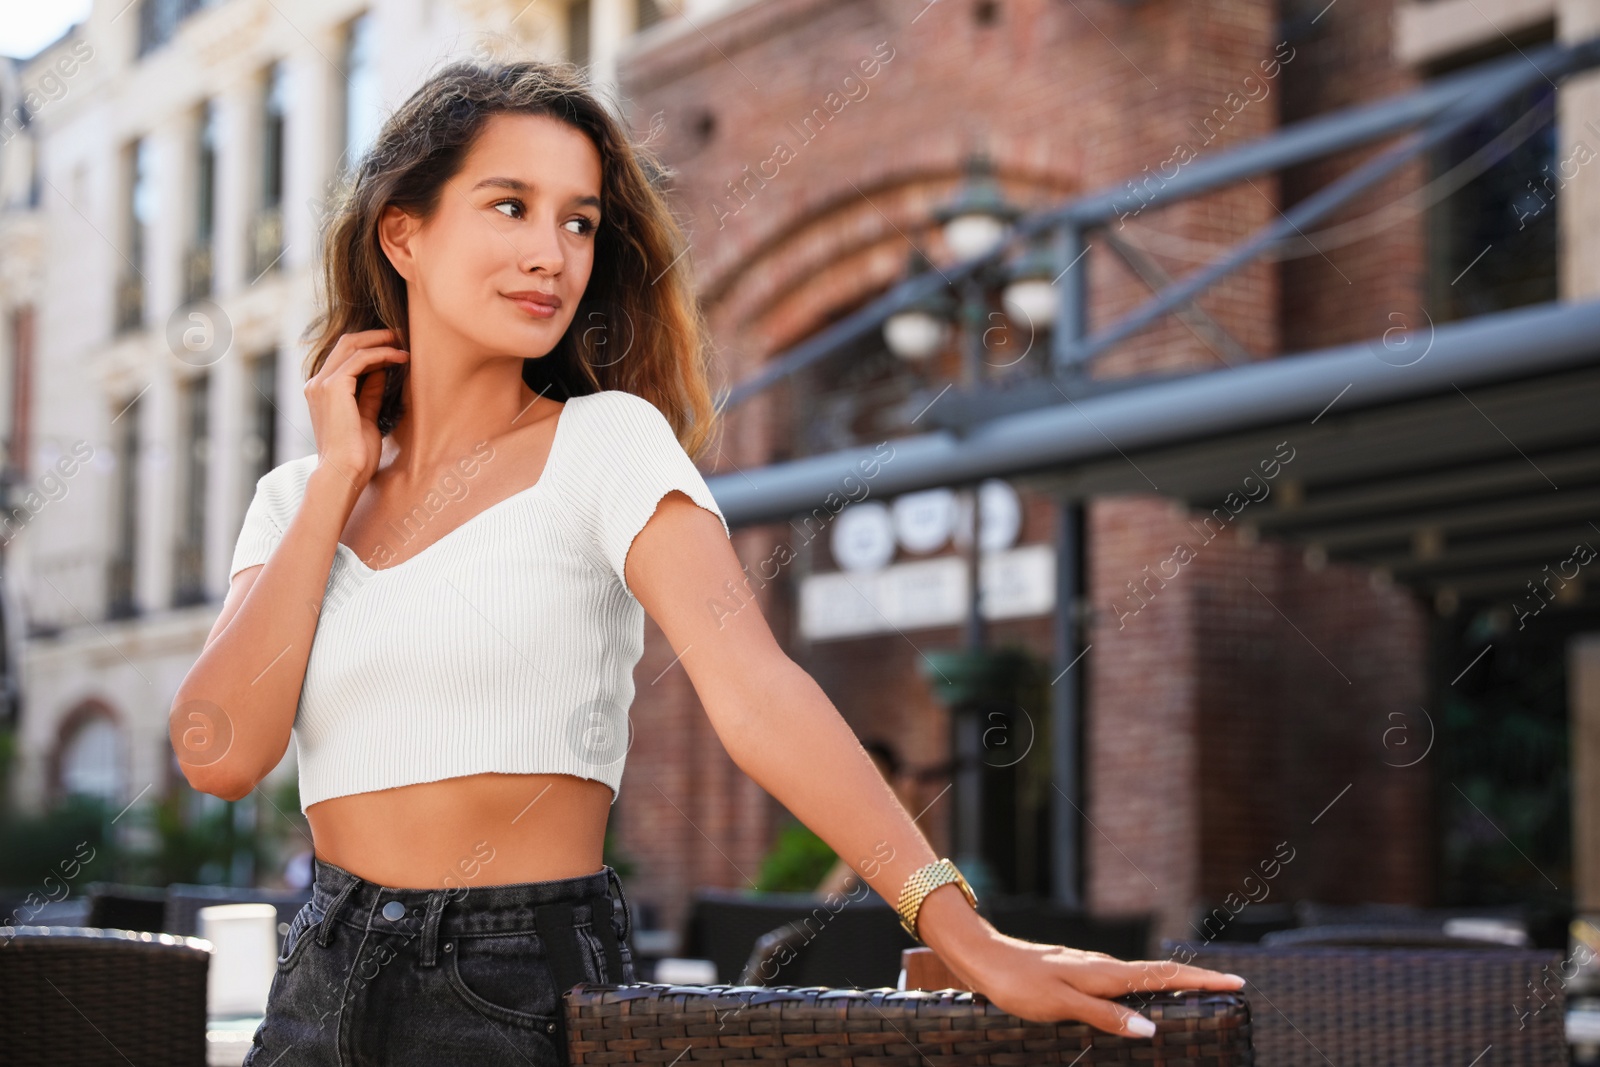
325 927
430 928
622 898
601 911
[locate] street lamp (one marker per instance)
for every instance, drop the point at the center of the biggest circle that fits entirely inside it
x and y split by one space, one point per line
1030 296
976 223
980 217
920 330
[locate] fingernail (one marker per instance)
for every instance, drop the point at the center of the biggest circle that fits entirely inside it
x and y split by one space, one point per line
1236 978
1139 1026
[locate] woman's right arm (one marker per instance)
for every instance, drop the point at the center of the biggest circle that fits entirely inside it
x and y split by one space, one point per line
233 714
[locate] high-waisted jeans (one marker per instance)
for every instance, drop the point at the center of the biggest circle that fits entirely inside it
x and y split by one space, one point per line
468 975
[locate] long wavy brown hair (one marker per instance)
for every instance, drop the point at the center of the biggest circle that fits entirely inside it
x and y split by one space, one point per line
638 328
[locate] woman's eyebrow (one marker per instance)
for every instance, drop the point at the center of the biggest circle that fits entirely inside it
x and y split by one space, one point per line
519 186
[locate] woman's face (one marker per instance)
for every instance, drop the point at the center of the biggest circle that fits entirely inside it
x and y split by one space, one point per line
507 255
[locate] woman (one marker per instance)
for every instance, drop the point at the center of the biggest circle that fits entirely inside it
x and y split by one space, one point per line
443 605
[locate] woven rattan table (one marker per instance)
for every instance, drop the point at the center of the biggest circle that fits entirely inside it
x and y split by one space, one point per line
654 1023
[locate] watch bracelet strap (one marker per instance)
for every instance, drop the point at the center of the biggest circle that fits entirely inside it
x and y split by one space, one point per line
923 881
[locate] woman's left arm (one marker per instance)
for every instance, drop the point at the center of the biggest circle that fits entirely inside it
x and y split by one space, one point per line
783 731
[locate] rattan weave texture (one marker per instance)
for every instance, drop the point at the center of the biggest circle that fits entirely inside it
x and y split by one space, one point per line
654 1023
75 995
1382 1006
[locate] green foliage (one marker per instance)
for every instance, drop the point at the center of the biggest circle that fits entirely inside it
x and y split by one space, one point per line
51 857
796 863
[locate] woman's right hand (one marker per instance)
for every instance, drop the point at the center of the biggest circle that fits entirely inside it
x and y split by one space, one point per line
345 424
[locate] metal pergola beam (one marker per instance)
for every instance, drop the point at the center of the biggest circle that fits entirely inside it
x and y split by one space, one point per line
1413 492
1545 547
1469 520
1527 341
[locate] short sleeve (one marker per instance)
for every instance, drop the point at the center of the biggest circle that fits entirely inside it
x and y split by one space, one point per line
264 521
642 463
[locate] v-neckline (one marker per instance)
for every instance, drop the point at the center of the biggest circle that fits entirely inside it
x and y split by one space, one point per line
544 476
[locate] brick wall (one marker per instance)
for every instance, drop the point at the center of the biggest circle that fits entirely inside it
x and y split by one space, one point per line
1348 289
1213 731
1234 695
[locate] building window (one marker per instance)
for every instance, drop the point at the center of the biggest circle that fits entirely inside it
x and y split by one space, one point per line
260 446
197 265
19 433
189 585
1492 242
646 13
578 32
120 601
363 107
159 19
139 215
91 761
266 246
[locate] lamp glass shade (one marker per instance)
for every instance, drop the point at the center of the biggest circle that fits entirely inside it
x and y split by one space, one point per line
1031 300
974 234
915 335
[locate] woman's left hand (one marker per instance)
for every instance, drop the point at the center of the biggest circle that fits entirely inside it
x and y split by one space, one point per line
1048 983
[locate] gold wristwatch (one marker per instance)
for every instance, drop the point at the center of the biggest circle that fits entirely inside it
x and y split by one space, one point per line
924 881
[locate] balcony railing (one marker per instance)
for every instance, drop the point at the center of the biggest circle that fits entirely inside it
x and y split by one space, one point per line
197 272
130 302
266 241
188 585
120 603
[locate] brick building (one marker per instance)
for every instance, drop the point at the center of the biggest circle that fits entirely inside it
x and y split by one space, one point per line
1245 707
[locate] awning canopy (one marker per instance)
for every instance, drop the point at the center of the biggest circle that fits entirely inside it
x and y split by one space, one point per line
1464 457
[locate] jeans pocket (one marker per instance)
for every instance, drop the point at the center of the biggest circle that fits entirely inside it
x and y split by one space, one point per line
295 940
504 977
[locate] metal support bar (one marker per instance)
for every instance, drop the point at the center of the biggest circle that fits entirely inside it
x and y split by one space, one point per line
1072 285
1310 139
1066 717
1211 332
1299 143
1543 338
1327 199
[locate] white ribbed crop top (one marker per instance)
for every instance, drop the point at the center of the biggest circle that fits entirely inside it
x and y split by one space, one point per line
506 645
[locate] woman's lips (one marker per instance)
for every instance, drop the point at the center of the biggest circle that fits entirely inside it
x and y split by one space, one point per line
533 307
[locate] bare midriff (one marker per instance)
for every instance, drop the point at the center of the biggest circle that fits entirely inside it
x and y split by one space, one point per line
474 830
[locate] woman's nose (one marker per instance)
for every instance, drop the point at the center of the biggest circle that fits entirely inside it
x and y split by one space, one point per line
540 246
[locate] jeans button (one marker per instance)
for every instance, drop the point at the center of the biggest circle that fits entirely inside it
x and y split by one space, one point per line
394 911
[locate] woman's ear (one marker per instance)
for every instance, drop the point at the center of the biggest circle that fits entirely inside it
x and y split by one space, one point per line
395 230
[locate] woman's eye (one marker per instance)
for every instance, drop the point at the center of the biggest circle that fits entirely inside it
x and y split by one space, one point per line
585 225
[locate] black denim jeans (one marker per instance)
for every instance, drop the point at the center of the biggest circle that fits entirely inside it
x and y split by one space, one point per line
469 975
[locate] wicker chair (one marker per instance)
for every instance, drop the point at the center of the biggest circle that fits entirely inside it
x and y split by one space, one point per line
650 1023
78 995
126 907
858 944
185 901
1418 1006
1379 935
